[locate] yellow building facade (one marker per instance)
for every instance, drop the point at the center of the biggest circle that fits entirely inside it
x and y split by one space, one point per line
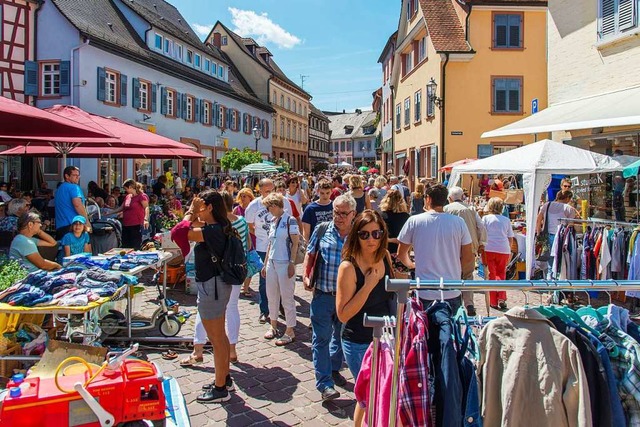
460 70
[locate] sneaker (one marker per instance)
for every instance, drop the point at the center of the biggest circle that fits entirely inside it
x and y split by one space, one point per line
214 396
264 319
330 393
338 379
471 310
228 383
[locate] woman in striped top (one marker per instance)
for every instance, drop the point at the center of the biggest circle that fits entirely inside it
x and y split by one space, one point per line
233 313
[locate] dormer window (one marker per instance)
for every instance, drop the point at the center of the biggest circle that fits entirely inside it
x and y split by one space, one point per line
214 69
178 52
207 65
168 47
158 41
198 61
348 130
221 72
189 56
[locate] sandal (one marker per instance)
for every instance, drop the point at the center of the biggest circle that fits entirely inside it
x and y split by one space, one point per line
169 355
284 340
270 334
191 361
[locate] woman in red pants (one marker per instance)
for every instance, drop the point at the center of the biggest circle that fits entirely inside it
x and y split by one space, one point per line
497 251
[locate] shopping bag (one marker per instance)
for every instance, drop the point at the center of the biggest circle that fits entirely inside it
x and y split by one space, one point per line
514 197
496 193
254 263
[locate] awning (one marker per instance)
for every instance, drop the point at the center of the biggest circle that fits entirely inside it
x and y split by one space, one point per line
126 152
619 108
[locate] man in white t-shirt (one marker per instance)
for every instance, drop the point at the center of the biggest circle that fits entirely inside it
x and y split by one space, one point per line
259 220
441 245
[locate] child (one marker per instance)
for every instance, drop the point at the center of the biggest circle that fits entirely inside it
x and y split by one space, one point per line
76 241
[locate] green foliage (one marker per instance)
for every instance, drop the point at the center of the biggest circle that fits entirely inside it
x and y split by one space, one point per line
11 271
235 159
283 164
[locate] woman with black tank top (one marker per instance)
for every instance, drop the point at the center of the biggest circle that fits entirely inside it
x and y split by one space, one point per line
356 189
365 263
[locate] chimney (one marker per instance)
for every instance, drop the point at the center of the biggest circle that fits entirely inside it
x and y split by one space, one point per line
217 40
343 111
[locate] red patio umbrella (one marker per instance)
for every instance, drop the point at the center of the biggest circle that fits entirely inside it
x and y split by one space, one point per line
22 124
128 152
373 170
450 166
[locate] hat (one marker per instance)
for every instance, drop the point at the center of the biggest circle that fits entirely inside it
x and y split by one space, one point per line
79 218
179 235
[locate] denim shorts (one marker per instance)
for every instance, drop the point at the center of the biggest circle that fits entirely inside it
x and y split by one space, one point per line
213 296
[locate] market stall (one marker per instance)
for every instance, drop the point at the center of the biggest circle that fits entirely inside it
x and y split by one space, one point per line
537 162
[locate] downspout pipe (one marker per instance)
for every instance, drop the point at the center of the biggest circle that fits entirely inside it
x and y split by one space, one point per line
35 41
393 129
443 79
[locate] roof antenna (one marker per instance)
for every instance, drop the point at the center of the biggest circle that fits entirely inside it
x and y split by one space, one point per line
110 25
302 78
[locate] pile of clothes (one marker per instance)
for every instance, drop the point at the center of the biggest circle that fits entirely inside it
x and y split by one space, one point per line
74 285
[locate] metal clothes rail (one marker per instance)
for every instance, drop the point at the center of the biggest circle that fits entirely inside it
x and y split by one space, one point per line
402 287
599 221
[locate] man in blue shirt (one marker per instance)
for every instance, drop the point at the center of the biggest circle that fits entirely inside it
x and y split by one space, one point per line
69 202
325 342
319 211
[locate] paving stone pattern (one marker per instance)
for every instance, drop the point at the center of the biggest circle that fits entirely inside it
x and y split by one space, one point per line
274 385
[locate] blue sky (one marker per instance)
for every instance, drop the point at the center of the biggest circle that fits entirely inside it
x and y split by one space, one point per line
335 43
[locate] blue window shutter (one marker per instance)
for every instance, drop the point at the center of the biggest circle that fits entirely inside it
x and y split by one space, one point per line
163 101
123 90
65 78
215 114
178 104
228 118
244 123
154 95
184 105
515 30
102 76
135 103
501 25
197 108
607 19
31 78
626 14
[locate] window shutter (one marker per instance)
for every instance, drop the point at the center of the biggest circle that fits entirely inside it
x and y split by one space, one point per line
102 76
31 78
177 101
135 99
608 19
154 95
227 119
514 31
245 123
123 90
65 78
514 95
215 112
185 99
501 24
197 108
201 109
163 101
626 14
265 129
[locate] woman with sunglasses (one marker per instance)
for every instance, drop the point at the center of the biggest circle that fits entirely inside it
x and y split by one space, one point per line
365 263
24 246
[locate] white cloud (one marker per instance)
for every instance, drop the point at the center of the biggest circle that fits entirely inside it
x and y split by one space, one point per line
202 30
249 24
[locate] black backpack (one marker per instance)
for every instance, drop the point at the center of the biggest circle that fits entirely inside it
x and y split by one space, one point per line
233 264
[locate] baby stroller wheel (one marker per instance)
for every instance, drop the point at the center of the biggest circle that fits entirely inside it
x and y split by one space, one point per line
169 326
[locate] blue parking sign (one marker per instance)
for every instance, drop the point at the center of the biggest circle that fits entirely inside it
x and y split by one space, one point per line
534 105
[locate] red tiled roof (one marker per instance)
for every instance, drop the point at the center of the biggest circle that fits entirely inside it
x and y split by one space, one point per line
444 26
508 2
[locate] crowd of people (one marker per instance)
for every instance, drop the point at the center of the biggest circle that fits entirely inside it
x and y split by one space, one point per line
356 228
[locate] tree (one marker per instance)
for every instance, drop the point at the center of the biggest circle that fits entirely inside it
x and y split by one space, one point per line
283 164
235 159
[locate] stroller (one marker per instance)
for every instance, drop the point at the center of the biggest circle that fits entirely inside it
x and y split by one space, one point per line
107 232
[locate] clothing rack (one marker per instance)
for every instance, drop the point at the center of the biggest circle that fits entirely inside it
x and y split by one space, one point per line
402 287
599 221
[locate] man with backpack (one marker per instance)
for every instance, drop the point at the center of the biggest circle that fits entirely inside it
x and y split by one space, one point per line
320 274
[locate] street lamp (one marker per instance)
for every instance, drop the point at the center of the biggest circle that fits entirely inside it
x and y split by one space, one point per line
432 88
256 135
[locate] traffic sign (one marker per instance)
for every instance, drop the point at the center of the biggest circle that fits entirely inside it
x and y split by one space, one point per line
534 105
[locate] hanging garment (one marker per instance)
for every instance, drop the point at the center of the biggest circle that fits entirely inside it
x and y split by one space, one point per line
626 368
604 272
413 384
530 371
444 363
599 392
634 261
384 378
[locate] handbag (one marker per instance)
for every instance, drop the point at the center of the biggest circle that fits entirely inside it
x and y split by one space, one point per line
254 263
497 193
514 197
302 247
543 249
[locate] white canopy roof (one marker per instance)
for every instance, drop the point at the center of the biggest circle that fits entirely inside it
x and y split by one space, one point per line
537 161
620 108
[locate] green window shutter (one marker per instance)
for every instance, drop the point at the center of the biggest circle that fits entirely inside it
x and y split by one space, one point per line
135 102
154 96
102 76
163 101
31 78
123 90
65 78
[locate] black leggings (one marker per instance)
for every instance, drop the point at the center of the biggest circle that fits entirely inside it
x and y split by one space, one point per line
132 236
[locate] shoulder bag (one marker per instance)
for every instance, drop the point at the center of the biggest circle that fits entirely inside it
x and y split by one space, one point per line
543 249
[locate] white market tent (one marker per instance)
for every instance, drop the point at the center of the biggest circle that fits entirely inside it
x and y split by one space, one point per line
537 162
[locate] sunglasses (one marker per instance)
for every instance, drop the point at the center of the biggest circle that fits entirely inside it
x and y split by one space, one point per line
566 186
376 234
341 214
